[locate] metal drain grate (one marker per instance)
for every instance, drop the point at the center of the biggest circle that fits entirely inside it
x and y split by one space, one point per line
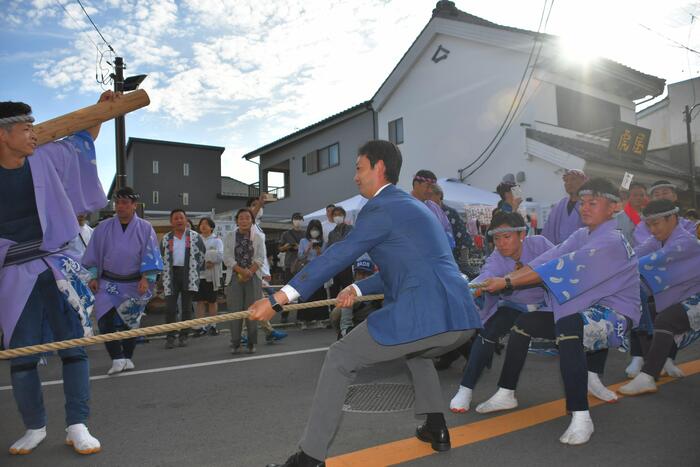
379 398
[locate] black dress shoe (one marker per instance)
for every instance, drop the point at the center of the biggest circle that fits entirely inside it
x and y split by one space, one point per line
439 439
300 459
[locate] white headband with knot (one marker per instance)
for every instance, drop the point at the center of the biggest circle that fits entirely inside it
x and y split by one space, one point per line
662 185
26 118
661 214
505 230
610 196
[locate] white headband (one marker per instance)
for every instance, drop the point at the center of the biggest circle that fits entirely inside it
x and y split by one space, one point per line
505 230
26 118
662 185
610 196
661 214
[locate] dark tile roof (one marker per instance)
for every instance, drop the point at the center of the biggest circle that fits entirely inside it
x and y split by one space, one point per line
592 152
171 143
367 105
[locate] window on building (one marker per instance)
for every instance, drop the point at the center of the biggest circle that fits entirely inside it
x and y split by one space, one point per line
156 197
323 159
396 131
186 169
276 179
581 112
185 199
155 167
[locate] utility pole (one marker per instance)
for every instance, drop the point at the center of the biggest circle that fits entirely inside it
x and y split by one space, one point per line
691 158
119 127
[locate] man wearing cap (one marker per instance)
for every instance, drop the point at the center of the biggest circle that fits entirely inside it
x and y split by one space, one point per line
423 183
592 286
124 261
662 189
565 218
344 319
42 190
668 265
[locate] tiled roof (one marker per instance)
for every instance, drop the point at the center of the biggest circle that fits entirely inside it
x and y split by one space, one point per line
593 152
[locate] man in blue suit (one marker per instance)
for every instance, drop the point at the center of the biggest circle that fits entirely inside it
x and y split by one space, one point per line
427 305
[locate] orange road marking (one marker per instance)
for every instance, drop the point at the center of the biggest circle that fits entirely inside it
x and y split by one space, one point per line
411 448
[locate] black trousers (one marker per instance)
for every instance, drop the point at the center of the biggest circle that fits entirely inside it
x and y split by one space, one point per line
111 322
672 321
572 357
178 289
640 341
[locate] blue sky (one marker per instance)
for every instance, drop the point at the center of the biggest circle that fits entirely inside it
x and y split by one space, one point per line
242 73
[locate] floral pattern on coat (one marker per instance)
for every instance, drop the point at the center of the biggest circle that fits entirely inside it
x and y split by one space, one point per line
194 260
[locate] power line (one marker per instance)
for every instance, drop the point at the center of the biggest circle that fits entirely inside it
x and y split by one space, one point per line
80 26
512 112
683 46
95 26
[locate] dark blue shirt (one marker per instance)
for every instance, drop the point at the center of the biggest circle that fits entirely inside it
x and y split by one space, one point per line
19 218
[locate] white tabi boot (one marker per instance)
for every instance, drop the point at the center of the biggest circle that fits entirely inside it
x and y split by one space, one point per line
129 365
82 441
580 429
118 365
641 384
634 367
598 389
672 370
460 402
28 442
504 399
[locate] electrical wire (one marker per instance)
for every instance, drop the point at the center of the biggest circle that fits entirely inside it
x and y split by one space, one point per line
683 46
511 116
94 25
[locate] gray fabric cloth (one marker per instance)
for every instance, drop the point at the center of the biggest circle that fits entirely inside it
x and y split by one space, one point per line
358 350
293 237
239 297
178 289
626 226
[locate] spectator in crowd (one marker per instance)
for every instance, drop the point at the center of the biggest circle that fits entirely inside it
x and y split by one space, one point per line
629 217
459 229
76 247
309 248
244 255
289 245
209 276
508 202
423 180
565 218
183 257
344 277
328 225
692 215
344 320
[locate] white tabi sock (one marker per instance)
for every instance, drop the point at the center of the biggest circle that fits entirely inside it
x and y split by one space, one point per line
580 429
460 402
641 384
504 399
634 367
29 441
129 365
671 369
598 389
82 441
118 365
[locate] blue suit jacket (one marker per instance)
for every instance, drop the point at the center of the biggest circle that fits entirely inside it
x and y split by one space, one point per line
424 292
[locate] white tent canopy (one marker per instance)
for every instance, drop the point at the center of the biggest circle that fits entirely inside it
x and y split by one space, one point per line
352 207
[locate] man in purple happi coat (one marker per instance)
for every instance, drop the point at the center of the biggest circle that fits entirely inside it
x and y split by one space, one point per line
124 260
43 291
565 218
662 189
668 265
593 289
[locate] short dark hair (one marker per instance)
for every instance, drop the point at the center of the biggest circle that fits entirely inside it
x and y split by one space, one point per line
512 219
242 210
503 188
126 193
297 215
381 150
250 202
637 185
330 206
423 176
658 206
339 209
600 186
175 211
209 220
13 109
662 182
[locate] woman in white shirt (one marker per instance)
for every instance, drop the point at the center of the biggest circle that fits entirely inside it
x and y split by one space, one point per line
210 275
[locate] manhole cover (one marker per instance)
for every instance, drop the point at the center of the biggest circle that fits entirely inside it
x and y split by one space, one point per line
379 398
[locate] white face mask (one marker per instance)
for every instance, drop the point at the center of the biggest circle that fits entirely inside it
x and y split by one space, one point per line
338 219
296 222
315 233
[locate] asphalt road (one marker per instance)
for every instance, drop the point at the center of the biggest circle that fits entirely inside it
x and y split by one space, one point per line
248 411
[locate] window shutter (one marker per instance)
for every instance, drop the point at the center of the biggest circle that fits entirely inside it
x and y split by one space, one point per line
312 162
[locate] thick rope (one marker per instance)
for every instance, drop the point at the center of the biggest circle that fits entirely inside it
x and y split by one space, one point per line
161 328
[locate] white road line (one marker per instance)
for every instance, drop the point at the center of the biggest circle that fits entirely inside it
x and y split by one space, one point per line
185 367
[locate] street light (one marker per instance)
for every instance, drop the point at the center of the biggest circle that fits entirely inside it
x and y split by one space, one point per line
691 158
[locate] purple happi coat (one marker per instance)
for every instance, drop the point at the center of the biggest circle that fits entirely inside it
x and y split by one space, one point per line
671 270
498 265
129 252
65 184
560 224
590 268
642 234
